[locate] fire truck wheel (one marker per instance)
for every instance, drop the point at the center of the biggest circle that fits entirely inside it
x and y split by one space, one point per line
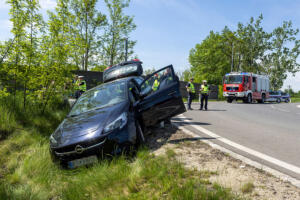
229 100
249 98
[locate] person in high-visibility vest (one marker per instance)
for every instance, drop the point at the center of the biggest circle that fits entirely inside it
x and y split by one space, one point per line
80 85
155 83
191 92
204 91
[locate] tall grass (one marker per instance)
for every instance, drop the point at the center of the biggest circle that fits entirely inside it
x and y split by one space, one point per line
13 115
30 174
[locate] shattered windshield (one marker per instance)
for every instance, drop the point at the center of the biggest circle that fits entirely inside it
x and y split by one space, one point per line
103 96
233 79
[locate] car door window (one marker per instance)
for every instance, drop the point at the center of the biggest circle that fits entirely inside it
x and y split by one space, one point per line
133 92
158 80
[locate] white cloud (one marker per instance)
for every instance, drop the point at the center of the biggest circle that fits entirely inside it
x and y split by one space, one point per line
47 4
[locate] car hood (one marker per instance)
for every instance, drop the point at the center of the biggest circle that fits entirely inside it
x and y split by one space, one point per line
87 125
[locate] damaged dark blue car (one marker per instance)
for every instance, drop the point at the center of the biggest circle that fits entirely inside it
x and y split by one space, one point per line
112 117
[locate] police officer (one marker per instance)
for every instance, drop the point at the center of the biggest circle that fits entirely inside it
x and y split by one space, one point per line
204 90
80 85
191 92
155 83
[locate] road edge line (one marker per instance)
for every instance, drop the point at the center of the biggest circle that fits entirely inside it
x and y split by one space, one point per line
248 161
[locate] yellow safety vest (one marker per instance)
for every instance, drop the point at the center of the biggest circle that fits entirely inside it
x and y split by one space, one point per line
76 86
192 87
83 86
155 85
204 89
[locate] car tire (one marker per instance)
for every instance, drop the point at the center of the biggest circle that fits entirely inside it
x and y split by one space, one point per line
263 99
140 139
287 100
278 100
229 100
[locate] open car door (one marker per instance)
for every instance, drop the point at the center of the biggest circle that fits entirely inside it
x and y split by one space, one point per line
161 98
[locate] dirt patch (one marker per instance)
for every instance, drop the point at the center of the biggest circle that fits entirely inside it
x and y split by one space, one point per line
243 179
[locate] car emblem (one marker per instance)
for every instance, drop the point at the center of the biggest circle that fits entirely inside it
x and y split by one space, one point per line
79 149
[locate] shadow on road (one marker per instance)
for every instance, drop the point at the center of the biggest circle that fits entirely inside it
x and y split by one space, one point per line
214 110
176 141
178 120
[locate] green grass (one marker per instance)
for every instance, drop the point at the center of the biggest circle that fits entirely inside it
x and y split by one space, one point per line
295 99
27 172
248 187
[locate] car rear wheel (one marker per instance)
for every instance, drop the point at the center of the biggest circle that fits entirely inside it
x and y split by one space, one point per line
278 100
287 100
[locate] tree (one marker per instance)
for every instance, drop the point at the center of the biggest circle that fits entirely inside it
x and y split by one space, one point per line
118 29
99 68
208 59
254 44
250 48
88 22
33 25
285 50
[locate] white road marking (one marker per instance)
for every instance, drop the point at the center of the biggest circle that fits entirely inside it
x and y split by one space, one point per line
274 172
270 159
298 106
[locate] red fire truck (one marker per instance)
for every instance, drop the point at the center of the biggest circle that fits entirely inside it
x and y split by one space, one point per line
246 86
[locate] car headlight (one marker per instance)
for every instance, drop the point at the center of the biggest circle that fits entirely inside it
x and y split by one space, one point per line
119 123
52 140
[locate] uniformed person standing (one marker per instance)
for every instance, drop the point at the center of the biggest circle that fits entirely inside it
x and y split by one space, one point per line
204 91
80 85
155 83
191 92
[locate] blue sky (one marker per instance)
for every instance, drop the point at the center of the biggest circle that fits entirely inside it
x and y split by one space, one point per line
168 29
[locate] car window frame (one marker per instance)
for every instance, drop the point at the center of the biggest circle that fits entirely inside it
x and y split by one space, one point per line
151 75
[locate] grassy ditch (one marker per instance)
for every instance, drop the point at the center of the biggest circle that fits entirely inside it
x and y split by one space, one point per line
27 172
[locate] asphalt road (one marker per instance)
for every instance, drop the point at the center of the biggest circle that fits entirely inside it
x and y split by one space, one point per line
270 129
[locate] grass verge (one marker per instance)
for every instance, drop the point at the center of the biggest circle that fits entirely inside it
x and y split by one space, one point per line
27 172
295 99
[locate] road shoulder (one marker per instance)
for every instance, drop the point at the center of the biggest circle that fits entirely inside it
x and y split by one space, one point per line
221 168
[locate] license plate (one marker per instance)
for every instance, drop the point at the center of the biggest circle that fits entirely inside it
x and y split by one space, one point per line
82 161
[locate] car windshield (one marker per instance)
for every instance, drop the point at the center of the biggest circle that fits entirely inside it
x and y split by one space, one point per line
233 79
102 96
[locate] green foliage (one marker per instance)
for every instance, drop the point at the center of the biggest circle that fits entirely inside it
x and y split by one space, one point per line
99 68
36 64
13 116
149 71
88 23
209 59
118 29
29 173
250 48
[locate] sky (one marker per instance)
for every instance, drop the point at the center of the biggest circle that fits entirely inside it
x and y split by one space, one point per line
168 29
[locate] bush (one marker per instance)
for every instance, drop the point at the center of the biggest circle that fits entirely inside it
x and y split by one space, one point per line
45 120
